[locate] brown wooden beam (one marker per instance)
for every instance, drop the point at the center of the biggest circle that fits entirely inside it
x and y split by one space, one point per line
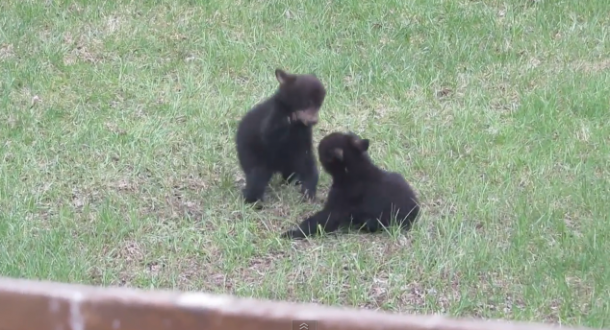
33 305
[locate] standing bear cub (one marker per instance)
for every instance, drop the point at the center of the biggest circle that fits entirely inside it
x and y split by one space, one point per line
276 136
361 193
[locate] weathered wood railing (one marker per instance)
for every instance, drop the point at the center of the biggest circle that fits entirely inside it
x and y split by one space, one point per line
32 305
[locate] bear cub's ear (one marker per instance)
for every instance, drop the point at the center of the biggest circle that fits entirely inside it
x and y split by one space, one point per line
361 144
284 77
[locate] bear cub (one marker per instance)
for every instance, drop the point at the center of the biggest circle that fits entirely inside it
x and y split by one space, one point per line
361 193
276 136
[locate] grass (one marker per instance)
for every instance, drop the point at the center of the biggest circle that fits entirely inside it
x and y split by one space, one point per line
117 162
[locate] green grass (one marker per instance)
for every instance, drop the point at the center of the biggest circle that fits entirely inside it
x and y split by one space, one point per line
117 162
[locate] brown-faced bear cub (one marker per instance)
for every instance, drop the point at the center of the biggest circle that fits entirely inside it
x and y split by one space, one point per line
361 193
276 136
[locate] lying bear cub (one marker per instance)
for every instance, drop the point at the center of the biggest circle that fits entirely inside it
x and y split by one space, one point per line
361 194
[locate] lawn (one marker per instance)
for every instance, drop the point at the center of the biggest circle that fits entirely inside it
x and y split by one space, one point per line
118 165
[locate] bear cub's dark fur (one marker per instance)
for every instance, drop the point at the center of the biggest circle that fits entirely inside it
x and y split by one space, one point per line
276 136
361 194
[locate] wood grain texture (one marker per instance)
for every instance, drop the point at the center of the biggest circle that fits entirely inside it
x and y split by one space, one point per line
34 305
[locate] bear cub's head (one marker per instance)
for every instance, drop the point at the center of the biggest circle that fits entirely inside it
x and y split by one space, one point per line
302 95
343 152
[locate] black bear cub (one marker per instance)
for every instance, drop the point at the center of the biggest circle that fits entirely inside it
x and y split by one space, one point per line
276 136
361 193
